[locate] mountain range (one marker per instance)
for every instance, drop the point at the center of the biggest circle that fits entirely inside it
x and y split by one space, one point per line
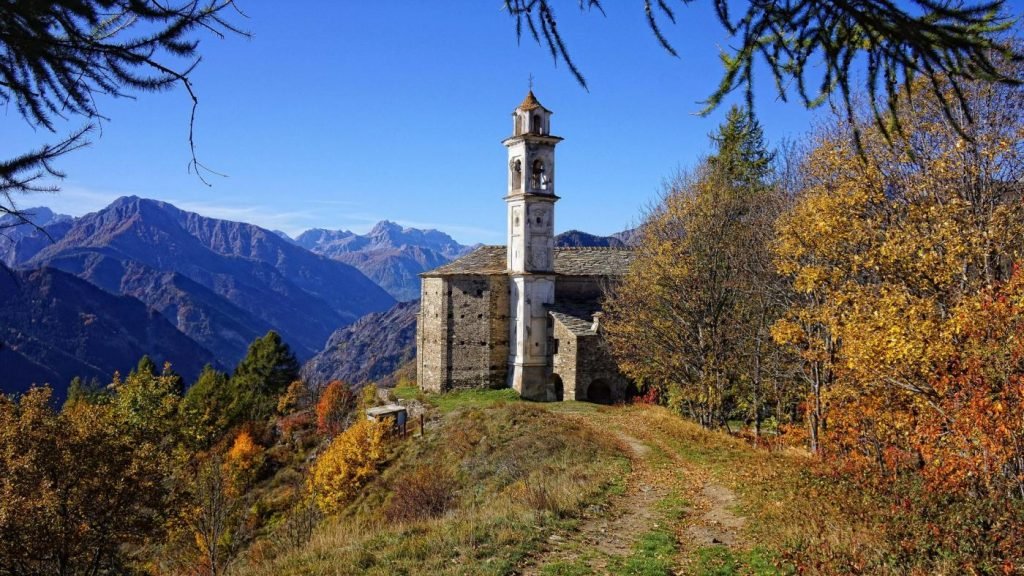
221 283
391 255
88 296
54 326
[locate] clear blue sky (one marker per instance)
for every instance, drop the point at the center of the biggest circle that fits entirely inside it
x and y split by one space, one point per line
339 114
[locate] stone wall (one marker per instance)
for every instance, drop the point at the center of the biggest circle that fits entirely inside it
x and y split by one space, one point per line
594 362
462 332
564 361
431 323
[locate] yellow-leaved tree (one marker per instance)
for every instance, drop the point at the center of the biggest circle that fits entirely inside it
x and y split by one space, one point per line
352 459
881 248
691 317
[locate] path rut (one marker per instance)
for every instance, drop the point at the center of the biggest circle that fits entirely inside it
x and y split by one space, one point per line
657 471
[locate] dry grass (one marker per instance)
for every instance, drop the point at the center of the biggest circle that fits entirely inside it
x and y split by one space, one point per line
516 473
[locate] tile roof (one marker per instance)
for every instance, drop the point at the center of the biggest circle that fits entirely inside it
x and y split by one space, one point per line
592 261
576 316
484 260
530 103
568 262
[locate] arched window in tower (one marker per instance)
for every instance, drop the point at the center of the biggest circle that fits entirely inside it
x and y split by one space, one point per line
517 174
537 124
538 177
519 125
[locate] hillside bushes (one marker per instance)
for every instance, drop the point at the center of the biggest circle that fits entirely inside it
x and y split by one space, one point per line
881 315
352 459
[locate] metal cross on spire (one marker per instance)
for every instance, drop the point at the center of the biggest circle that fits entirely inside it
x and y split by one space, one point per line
531 81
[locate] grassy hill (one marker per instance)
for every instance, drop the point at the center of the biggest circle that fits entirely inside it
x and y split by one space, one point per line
572 489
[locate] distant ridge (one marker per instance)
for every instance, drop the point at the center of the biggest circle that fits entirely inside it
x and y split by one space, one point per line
20 241
576 238
54 326
222 283
391 255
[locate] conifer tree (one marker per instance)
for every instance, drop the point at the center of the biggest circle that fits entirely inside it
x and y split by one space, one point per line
266 371
58 58
813 48
692 315
90 391
741 156
146 366
205 409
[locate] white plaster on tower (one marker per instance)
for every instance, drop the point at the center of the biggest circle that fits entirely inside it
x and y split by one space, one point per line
530 248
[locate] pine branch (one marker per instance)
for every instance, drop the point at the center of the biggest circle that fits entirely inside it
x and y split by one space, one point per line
956 42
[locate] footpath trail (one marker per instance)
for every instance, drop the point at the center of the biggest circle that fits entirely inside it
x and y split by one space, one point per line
670 514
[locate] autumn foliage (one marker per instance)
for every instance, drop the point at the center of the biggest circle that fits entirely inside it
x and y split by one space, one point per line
334 406
906 303
353 458
79 486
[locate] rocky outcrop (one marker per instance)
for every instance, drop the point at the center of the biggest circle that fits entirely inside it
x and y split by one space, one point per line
369 350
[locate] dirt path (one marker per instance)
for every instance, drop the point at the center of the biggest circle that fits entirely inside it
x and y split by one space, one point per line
657 472
610 529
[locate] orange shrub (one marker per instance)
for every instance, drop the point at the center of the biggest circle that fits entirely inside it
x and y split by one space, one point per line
243 462
335 403
243 450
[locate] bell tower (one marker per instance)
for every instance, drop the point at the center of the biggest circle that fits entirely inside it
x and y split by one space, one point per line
531 245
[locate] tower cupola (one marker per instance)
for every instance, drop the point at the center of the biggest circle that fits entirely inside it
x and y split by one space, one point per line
531 188
531 118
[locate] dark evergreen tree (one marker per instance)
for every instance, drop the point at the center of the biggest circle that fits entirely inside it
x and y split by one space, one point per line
266 371
741 156
146 366
206 409
91 391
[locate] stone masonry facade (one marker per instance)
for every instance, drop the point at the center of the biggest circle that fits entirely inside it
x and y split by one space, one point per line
525 315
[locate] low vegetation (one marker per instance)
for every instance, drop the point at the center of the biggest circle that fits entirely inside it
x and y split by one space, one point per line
476 495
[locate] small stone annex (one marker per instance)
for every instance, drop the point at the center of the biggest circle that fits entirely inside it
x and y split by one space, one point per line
525 315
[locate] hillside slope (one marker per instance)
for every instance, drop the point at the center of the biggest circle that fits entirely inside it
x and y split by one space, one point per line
54 326
369 349
501 486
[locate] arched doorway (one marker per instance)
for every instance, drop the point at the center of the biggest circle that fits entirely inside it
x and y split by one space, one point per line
599 392
557 387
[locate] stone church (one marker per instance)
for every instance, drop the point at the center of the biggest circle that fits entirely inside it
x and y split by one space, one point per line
525 315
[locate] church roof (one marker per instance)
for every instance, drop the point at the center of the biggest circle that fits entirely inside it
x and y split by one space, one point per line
573 261
483 260
587 261
576 316
530 103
